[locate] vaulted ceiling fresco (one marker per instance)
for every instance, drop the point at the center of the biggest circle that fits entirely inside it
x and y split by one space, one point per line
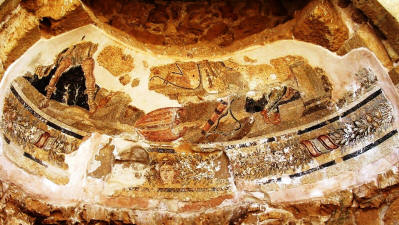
204 112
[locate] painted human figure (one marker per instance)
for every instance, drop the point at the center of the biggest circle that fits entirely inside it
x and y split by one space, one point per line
265 103
80 54
167 171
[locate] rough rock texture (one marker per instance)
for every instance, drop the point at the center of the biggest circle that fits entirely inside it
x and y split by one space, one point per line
380 17
394 75
113 59
16 38
22 25
372 203
135 82
6 7
56 9
365 37
125 79
320 24
58 16
178 23
202 27
218 27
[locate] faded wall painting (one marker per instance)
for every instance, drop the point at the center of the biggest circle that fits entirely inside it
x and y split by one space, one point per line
199 112
140 127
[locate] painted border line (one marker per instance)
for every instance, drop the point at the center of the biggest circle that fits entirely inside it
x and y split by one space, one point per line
333 162
176 190
29 156
370 146
344 114
48 123
212 189
313 127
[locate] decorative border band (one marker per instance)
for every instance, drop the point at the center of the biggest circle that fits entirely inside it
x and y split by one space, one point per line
344 158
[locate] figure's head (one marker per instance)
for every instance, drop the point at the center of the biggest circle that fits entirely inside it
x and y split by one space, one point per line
167 171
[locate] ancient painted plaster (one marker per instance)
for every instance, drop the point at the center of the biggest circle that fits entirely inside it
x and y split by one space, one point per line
290 120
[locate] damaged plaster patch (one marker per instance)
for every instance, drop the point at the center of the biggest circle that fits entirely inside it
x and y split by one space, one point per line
121 177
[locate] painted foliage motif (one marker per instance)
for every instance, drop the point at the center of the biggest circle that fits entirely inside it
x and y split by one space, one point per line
264 120
31 114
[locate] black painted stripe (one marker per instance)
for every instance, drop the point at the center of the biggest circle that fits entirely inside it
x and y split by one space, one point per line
211 122
314 127
8 141
370 146
272 180
26 106
334 119
333 162
324 123
29 156
212 189
362 103
327 164
293 98
349 111
163 150
48 123
63 130
304 172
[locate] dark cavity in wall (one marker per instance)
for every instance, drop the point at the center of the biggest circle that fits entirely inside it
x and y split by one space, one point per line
70 88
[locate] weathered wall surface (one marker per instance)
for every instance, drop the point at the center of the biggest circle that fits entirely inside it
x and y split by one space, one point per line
386 19
24 23
374 203
326 152
19 31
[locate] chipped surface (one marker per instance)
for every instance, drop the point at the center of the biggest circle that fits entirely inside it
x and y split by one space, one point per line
97 128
